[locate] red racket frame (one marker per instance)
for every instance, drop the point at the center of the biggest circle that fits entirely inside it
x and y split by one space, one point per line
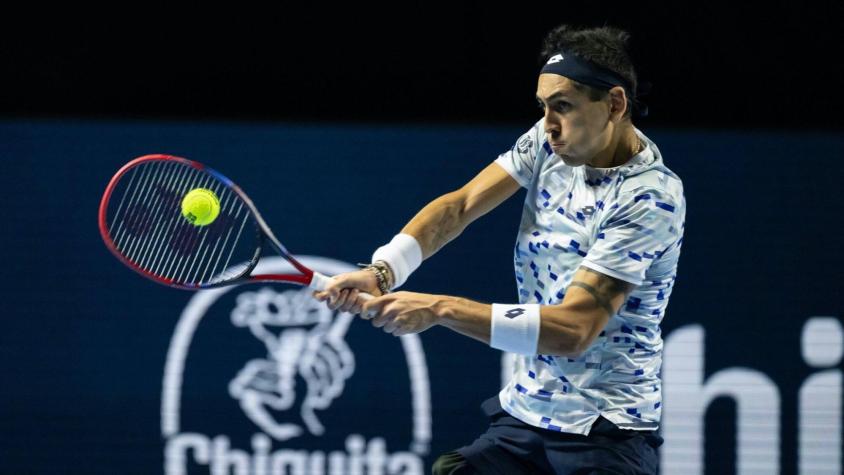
265 233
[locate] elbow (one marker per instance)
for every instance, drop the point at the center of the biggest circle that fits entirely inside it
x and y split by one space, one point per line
574 350
457 201
580 347
452 208
568 331
569 345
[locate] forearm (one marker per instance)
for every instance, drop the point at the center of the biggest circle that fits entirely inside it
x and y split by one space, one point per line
466 317
558 335
437 223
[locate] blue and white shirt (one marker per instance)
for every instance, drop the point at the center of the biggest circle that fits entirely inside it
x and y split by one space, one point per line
626 222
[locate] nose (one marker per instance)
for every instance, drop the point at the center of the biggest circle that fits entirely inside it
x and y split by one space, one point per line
552 125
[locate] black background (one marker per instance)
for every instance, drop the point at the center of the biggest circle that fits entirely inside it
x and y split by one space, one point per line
712 65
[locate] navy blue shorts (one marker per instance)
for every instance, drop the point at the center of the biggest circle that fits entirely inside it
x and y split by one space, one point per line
511 447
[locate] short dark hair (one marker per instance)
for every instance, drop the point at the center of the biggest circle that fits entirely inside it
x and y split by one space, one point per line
606 46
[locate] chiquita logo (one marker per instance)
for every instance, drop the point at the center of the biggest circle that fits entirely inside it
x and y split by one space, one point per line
267 380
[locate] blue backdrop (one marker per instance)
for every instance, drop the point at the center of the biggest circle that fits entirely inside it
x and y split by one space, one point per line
91 353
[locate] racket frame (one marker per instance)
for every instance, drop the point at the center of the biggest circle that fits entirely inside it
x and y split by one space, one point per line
265 236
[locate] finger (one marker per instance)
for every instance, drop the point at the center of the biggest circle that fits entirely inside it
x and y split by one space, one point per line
335 291
362 309
319 295
341 300
373 305
333 298
338 283
358 306
351 300
389 312
391 325
367 313
381 319
331 289
357 279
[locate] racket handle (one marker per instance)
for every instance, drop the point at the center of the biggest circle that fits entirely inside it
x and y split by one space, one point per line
320 282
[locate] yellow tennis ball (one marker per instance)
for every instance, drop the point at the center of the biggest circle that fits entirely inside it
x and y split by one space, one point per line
200 206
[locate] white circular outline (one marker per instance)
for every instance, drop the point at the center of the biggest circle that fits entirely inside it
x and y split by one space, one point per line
197 307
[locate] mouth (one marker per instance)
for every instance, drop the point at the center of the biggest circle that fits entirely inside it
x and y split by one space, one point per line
556 145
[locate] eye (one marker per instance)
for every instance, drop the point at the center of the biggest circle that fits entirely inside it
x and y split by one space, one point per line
562 106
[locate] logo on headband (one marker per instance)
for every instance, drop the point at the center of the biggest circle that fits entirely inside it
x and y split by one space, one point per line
555 59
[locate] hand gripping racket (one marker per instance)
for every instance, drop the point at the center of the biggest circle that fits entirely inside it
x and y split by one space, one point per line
141 222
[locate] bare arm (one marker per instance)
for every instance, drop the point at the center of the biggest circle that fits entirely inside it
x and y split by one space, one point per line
434 226
566 329
443 219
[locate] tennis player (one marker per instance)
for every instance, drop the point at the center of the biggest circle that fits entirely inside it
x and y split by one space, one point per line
595 259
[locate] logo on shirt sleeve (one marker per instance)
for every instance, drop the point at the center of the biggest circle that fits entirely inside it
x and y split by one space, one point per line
524 144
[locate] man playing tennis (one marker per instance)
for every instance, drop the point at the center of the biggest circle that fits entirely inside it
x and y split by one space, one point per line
595 259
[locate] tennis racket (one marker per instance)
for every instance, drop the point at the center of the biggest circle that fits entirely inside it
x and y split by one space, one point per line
141 222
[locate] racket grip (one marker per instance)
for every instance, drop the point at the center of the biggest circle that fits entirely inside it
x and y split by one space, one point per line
320 282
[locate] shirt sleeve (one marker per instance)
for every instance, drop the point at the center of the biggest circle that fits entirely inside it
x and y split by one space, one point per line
639 227
520 160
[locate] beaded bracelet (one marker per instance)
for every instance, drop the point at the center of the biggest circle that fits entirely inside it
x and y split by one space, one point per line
382 271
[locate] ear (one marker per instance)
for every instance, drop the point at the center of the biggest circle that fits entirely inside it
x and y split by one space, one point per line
618 103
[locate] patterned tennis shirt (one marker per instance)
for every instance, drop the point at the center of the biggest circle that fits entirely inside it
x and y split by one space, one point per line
626 222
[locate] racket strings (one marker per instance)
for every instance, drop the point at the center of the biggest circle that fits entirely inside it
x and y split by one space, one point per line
147 227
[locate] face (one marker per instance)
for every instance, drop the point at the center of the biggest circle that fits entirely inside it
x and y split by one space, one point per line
577 128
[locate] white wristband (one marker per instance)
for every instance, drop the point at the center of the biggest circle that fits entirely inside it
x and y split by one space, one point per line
402 254
515 328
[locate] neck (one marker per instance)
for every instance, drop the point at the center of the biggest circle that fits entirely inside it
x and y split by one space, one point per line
622 147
